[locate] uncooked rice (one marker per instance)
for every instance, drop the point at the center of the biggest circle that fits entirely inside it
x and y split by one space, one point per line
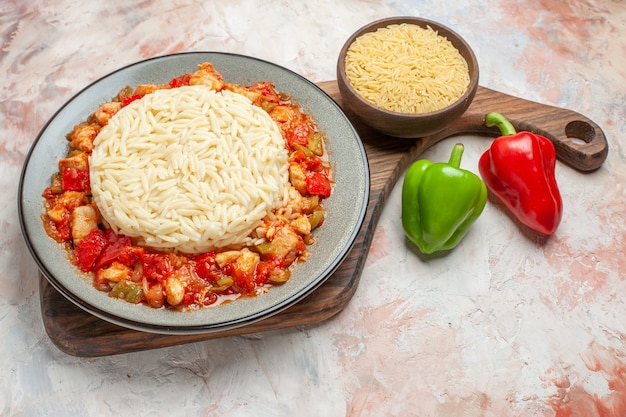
406 69
189 169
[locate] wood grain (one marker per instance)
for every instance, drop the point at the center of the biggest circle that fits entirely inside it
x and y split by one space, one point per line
580 143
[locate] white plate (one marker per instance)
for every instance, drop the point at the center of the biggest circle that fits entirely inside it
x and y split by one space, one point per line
345 208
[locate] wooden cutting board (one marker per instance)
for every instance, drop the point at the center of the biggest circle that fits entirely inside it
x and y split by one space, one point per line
580 143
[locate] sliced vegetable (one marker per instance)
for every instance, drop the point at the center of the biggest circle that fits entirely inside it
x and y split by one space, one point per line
73 179
127 290
89 249
318 184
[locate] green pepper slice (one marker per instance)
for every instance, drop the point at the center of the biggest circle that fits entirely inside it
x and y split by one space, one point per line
128 291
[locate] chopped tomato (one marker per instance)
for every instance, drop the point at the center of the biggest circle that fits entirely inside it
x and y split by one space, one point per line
298 156
89 249
243 281
193 290
313 164
209 298
309 162
156 266
206 268
59 231
129 99
190 297
74 179
318 184
130 255
115 246
181 81
263 271
196 293
60 228
267 91
298 135
50 193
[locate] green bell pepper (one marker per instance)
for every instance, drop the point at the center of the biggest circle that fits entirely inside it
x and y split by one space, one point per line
440 202
127 290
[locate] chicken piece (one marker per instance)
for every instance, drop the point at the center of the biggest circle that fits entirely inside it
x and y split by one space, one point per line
174 291
84 220
297 177
247 262
83 135
207 75
114 273
105 112
286 244
72 199
223 258
283 114
301 204
64 204
269 97
77 160
57 213
310 204
254 96
301 225
143 89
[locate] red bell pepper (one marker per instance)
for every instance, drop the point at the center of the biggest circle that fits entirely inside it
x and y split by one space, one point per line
318 184
89 249
74 179
129 99
115 245
518 168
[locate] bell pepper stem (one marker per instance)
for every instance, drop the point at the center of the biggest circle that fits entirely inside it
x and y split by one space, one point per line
455 156
496 119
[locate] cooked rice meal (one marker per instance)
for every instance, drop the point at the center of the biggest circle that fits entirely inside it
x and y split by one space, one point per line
190 193
406 69
189 168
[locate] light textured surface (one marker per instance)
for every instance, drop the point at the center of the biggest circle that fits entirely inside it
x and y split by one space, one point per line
502 326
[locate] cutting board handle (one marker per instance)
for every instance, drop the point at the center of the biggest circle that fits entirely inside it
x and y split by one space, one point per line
579 142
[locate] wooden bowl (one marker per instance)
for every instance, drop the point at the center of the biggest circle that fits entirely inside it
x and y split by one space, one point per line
407 125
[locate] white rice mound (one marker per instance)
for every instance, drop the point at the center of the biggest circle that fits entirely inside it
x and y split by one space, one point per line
189 169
